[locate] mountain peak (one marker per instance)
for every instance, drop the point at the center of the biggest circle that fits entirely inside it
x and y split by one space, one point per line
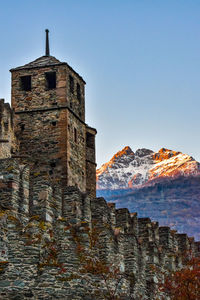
125 151
143 152
129 169
165 153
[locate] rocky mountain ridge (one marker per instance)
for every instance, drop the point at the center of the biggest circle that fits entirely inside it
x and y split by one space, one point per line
163 185
127 169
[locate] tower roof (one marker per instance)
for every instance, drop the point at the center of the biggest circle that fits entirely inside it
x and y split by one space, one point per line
45 61
42 61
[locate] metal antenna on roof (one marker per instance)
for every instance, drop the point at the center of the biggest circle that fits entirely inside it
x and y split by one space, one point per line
47 43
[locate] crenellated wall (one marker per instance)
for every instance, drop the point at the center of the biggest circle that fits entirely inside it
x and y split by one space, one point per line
41 226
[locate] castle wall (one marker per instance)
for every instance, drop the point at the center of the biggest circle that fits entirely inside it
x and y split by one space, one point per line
39 255
43 140
14 186
47 139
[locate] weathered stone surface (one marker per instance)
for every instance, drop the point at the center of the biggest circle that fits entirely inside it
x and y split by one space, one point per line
133 245
8 142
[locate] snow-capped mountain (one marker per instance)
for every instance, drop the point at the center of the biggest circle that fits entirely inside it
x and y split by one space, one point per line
127 169
163 185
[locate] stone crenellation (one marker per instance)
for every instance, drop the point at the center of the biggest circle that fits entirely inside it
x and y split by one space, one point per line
136 244
51 224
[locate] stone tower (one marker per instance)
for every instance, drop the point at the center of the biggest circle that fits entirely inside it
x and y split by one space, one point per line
8 142
48 99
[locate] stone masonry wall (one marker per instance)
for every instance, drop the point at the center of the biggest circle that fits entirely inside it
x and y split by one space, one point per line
90 161
40 252
39 96
8 142
75 99
47 139
43 141
76 145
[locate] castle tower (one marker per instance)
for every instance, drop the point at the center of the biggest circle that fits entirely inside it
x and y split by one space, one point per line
48 99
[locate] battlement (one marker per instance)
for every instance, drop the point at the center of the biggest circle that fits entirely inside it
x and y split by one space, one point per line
131 243
14 186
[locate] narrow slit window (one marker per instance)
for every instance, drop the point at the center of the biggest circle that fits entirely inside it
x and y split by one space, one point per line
71 84
52 165
75 135
25 83
6 126
54 123
78 91
22 126
51 80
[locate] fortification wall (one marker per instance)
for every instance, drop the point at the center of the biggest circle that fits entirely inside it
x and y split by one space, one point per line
49 141
47 244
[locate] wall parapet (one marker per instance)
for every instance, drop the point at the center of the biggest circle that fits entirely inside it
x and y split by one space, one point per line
41 242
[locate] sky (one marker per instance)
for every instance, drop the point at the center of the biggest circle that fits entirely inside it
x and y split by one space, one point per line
140 59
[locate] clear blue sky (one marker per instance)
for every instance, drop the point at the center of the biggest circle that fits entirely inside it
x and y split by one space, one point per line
140 59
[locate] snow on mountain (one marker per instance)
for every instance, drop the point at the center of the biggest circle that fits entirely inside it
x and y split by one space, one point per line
127 169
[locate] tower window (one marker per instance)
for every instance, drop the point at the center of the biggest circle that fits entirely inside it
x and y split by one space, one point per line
51 80
52 165
71 84
75 135
54 123
25 83
22 126
78 91
6 126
